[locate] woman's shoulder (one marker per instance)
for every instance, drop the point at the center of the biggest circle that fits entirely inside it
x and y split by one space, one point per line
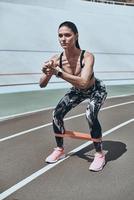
56 56
88 54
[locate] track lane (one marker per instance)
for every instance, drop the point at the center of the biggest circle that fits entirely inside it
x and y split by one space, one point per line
25 122
30 150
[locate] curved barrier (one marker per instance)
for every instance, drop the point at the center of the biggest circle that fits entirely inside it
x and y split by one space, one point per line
29 37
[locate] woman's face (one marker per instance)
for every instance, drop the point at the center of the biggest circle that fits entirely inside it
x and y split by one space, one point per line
67 38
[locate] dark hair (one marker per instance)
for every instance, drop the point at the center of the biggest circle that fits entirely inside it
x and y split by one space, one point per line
73 27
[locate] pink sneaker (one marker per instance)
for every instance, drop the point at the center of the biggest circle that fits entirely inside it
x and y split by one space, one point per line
98 162
56 155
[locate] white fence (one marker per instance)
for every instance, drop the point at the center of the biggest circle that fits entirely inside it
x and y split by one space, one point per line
29 36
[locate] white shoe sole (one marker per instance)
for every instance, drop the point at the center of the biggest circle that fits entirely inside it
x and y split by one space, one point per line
97 170
51 162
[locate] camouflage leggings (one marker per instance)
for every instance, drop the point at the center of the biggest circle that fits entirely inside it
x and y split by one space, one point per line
96 96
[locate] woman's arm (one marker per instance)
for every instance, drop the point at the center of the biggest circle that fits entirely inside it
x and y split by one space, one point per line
83 81
48 71
44 80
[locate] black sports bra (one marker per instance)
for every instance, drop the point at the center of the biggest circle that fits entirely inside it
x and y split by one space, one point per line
81 58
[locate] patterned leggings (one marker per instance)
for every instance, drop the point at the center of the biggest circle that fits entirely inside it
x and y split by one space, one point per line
96 96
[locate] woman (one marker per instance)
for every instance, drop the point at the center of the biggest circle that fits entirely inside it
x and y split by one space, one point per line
76 67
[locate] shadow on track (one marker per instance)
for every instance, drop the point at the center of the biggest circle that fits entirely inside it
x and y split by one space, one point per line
114 149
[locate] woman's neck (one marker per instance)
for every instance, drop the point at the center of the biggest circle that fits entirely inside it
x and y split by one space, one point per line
72 52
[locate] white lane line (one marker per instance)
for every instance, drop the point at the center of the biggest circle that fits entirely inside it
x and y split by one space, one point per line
25 113
122 95
44 109
49 124
38 173
116 105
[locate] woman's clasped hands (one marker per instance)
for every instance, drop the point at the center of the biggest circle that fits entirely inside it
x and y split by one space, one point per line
49 67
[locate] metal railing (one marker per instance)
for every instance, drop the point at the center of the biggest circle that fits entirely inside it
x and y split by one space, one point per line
112 2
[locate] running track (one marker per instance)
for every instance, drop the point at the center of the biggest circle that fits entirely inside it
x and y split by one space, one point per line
25 141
